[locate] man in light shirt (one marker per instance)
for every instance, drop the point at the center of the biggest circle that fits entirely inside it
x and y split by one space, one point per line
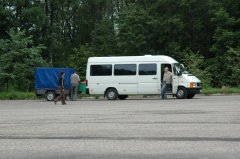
75 79
167 80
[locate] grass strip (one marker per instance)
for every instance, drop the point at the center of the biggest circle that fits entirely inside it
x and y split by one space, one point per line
16 95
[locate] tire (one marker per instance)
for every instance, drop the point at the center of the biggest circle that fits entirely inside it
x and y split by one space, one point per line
181 93
189 96
122 97
50 95
112 94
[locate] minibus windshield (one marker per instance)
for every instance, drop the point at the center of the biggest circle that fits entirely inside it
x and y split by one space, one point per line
179 68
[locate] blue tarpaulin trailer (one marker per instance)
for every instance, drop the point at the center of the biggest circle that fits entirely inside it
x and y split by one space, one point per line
46 81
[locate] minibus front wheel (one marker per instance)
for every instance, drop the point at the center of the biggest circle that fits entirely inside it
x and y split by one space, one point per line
111 94
181 93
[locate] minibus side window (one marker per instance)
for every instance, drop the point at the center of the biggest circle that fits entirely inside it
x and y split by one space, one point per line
100 70
125 69
147 69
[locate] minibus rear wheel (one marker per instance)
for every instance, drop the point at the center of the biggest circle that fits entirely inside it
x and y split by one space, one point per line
112 94
181 93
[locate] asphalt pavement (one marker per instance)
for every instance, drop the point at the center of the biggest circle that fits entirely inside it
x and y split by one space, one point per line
205 127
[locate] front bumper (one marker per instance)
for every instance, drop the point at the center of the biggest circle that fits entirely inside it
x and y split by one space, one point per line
194 90
87 91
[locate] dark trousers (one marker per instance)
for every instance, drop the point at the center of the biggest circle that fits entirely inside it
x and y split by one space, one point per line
61 96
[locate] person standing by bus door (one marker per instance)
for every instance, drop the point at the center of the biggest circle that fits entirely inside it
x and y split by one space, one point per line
167 80
75 79
61 88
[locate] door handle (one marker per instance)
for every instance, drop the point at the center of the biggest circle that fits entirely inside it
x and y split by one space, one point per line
154 78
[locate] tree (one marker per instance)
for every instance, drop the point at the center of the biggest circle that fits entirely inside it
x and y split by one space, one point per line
18 58
226 40
233 67
225 33
5 19
209 28
133 30
195 63
226 68
104 39
78 59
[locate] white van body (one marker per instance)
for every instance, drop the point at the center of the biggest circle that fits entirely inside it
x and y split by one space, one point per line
118 77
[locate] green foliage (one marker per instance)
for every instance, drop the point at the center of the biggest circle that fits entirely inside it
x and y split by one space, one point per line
17 95
226 68
103 38
233 66
18 59
195 63
225 34
132 30
223 90
78 60
210 28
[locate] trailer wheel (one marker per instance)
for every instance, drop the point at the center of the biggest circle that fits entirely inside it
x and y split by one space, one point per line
50 95
181 93
112 94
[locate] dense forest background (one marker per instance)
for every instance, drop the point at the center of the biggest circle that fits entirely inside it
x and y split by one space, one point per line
202 34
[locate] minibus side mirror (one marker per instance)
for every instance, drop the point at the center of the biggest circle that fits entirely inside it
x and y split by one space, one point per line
189 71
179 73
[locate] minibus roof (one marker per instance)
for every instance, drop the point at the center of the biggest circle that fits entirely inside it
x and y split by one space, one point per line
120 59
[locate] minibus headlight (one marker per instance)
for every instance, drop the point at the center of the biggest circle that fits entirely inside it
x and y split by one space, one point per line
192 85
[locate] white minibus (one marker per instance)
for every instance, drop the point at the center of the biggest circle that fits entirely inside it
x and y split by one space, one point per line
118 77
